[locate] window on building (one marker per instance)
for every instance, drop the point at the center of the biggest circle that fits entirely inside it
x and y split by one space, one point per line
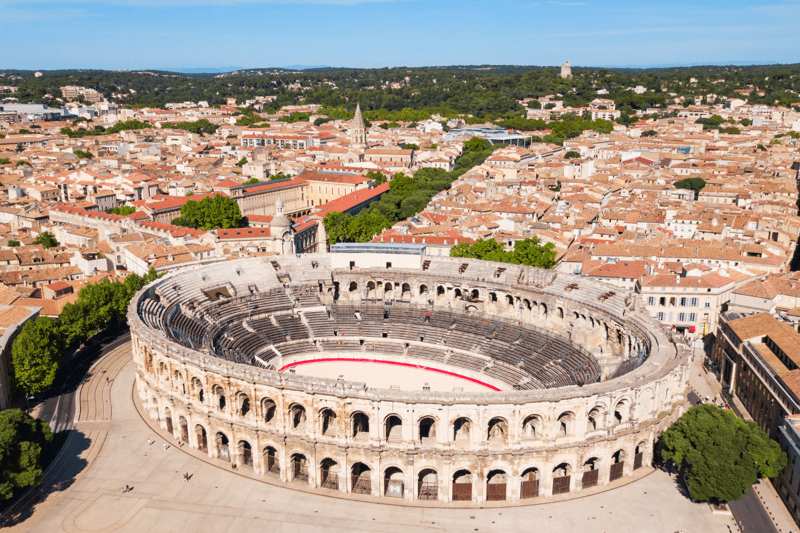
661 316
692 317
651 301
708 303
669 318
683 302
693 302
681 317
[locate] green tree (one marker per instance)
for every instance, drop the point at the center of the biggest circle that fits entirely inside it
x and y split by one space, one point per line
402 185
220 212
46 239
83 154
722 454
337 226
123 210
22 441
36 354
572 154
13 244
379 177
366 225
242 162
410 146
476 144
693 184
489 250
4 161
252 181
532 252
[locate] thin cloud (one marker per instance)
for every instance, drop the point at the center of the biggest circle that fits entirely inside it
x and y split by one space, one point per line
568 4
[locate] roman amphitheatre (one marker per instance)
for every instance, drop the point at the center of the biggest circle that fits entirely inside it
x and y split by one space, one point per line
382 371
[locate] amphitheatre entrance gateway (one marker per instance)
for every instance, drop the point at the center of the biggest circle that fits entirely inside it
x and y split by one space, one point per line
382 371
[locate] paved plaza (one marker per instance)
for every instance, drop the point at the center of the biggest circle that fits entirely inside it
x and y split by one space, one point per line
115 452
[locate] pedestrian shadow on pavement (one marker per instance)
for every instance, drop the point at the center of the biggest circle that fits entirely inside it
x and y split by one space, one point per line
60 475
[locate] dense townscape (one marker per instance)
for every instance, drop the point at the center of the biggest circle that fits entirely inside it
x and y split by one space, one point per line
680 185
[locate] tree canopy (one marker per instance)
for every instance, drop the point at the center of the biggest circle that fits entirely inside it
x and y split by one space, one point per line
36 354
529 252
123 210
692 184
46 239
22 440
722 455
220 212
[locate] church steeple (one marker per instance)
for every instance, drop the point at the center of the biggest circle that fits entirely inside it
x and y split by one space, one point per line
358 132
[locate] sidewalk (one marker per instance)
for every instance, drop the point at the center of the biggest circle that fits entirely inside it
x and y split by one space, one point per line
775 507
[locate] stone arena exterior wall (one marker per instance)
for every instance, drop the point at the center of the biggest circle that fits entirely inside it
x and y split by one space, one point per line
547 432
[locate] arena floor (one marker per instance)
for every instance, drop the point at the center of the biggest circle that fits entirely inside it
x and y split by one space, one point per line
386 375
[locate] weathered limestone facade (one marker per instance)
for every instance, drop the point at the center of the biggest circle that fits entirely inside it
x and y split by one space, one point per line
339 435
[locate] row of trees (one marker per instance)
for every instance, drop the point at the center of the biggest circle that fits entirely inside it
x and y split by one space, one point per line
529 252
407 196
36 351
217 212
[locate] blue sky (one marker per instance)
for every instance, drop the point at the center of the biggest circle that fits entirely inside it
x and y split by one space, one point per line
161 34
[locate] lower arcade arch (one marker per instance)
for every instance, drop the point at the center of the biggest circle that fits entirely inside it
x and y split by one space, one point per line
462 486
529 483
428 484
393 482
496 485
329 474
360 479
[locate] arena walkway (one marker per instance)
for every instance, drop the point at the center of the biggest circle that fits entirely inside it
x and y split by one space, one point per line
111 450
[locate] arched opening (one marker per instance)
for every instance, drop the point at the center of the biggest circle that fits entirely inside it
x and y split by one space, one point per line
162 371
475 294
360 423
529 486
327 419
183 427
298 417
462 486
361 479
493 297
299 467
197 386
497 431
393 482
561 477
457 293
202 438
271 455
268 410
591 469
370 289
638 457
461 431
246 453
353 286
595 419
543 311
565 422
243 402
427 431
335 290
496 483
560 313
222 446
428 485
219 394
532 427
148 363
621 411
439 291
388 287
617 465
509 300
526 303
423 289
168 420
406 291
329 474
394 429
